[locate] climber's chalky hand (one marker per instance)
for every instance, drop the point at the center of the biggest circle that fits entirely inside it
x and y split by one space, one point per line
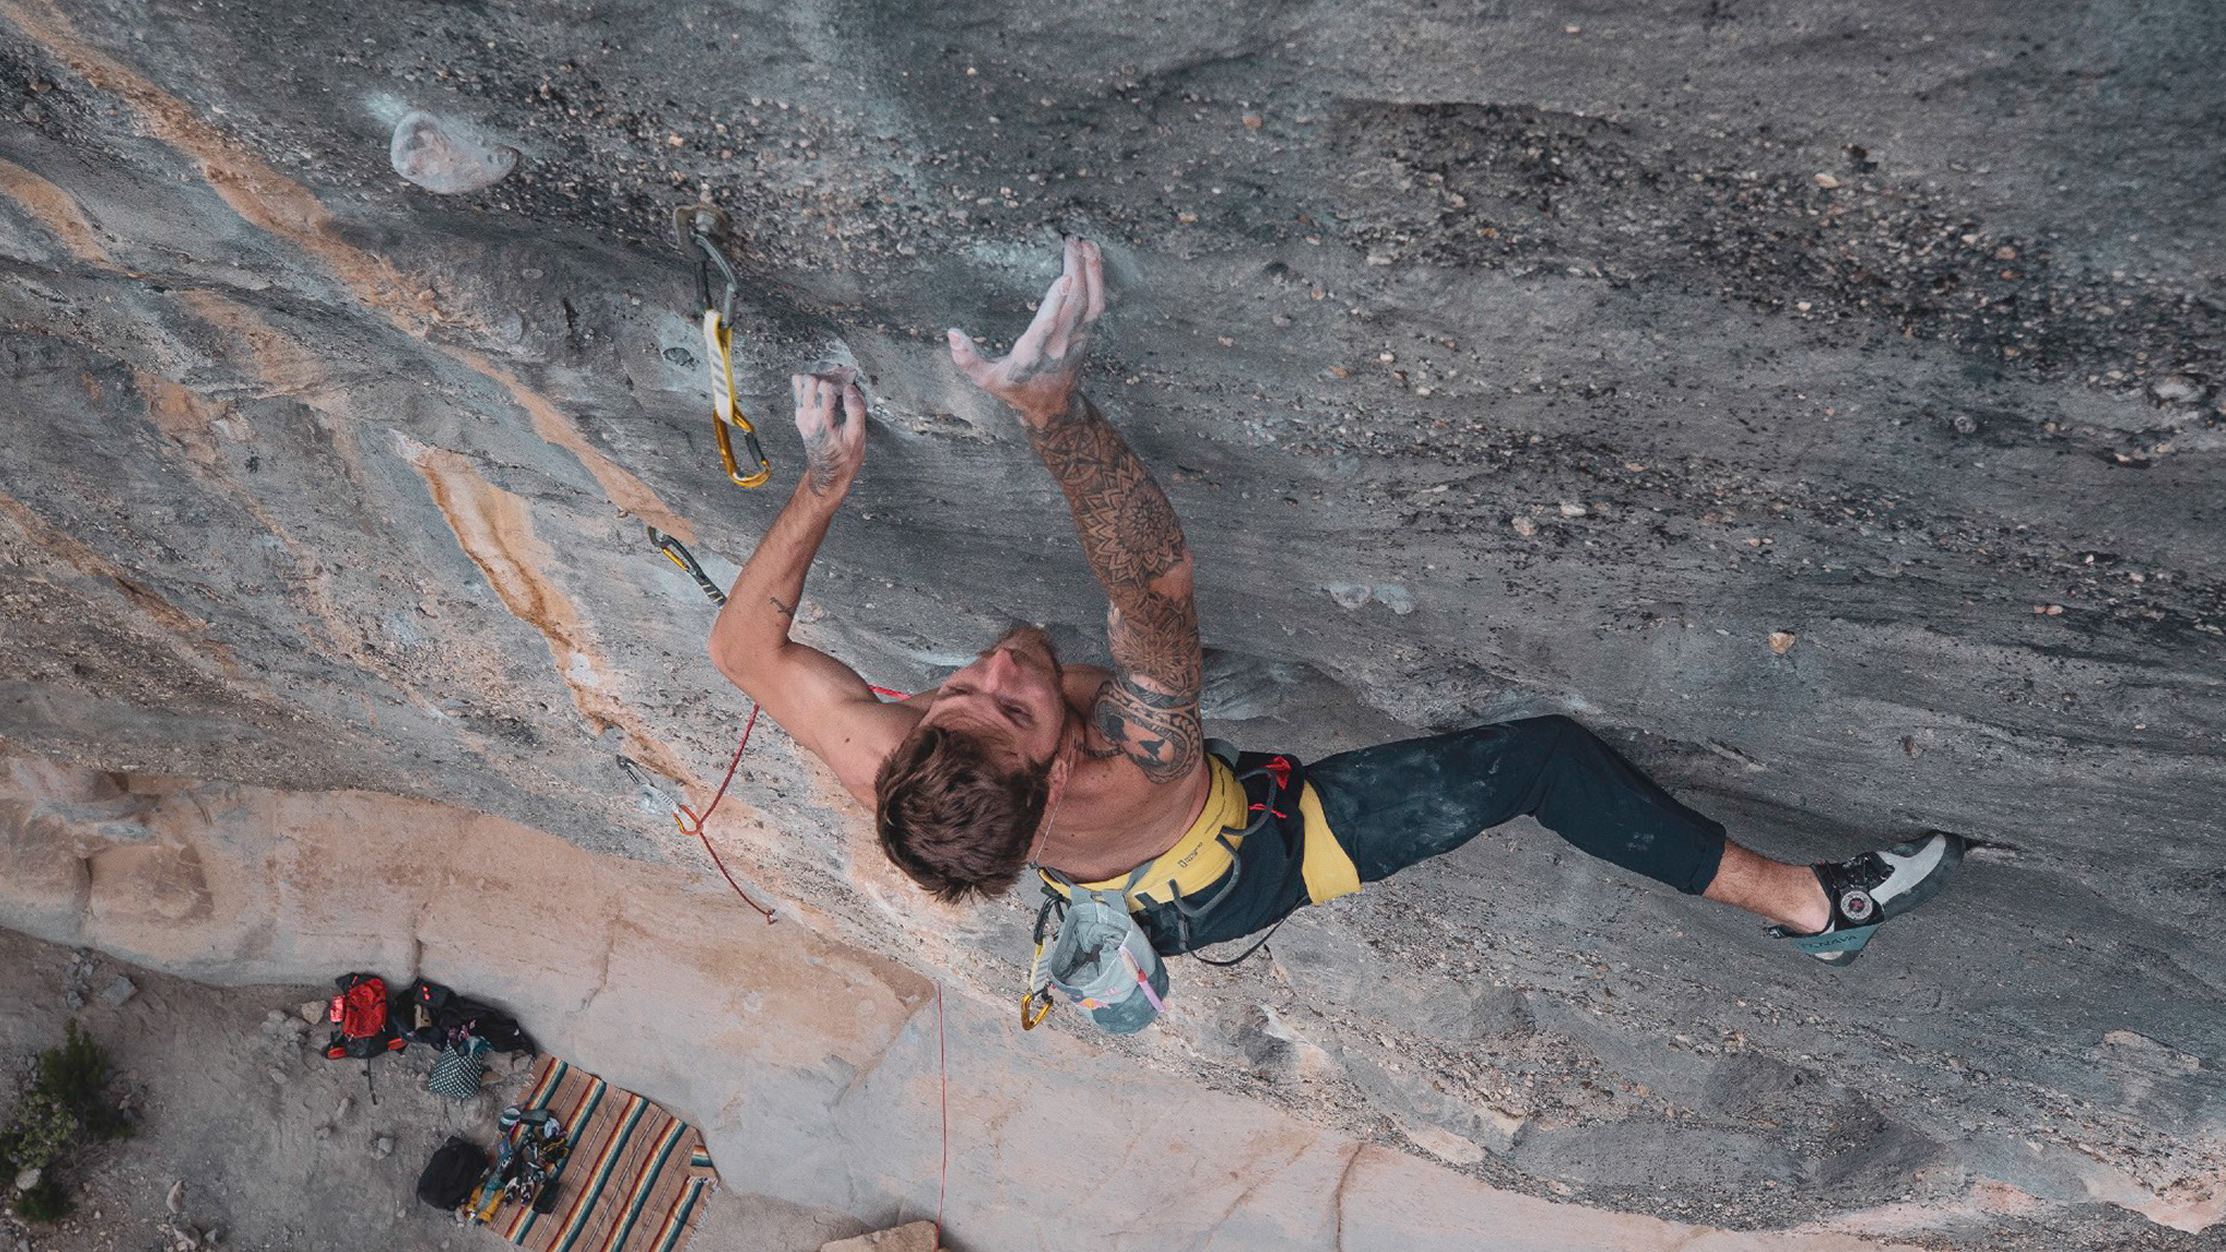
1039 376
831 416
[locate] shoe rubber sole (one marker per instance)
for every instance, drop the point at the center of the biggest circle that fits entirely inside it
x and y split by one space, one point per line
1840 947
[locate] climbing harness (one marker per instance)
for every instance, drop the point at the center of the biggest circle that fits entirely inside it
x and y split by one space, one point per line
1179 887
698 228
677 552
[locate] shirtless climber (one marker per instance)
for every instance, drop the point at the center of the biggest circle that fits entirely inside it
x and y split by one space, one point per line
1107 778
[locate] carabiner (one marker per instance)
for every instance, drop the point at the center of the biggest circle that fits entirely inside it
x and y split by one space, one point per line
718 341
1039 988
1034 1007
677 552
652 790
683 817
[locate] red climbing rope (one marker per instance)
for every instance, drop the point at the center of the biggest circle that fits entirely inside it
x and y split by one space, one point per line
694 824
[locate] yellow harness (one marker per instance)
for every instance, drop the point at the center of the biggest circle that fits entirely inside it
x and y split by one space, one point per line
1206 851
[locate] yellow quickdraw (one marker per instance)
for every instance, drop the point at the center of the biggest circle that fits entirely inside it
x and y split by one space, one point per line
697 226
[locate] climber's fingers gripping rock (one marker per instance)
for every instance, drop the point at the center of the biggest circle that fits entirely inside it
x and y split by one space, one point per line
1040 375
831 416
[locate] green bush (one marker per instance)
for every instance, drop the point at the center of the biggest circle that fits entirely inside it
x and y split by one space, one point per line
65 1103
41 1130
46 1202
76 1075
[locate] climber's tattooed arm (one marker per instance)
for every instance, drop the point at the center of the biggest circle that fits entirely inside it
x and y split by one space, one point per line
831 416
1128 529
1135 546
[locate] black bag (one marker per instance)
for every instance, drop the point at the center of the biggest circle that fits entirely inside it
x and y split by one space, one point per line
431 1013
452 1173
499 1029
418 1010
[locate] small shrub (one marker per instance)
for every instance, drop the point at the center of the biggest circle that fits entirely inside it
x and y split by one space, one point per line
76 1076
45 1202
65 1103
42 1129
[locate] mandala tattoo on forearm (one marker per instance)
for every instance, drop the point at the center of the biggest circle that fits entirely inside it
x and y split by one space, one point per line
1131 536
1128 530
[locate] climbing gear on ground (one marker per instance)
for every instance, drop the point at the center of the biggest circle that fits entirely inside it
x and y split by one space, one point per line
418 1011
677 552
527 1161
361 1025
1101 960
449 1177
1867 890
698 228
431 1014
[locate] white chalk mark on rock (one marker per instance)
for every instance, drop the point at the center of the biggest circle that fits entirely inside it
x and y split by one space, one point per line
446 157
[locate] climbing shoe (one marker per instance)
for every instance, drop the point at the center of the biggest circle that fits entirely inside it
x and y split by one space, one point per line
1873 887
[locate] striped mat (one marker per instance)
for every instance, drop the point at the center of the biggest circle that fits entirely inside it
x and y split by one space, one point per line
635 1178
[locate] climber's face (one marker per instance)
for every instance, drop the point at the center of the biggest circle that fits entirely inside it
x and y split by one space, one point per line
1010 695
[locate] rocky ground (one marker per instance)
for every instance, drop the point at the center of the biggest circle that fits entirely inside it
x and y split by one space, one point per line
275 1146
1822 402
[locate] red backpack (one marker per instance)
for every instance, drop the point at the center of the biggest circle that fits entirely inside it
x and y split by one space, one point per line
360 1024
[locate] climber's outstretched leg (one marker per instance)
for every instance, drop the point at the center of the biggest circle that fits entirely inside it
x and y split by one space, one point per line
1399 803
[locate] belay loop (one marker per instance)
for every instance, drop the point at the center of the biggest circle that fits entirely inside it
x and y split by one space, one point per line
697 227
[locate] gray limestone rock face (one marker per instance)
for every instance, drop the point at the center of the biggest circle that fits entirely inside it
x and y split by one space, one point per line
1820 403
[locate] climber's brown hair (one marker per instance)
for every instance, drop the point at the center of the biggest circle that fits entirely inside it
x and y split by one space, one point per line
955 815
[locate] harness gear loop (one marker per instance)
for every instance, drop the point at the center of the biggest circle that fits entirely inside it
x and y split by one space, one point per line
677 552
698 227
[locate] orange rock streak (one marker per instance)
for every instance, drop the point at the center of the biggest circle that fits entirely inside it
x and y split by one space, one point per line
274 203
